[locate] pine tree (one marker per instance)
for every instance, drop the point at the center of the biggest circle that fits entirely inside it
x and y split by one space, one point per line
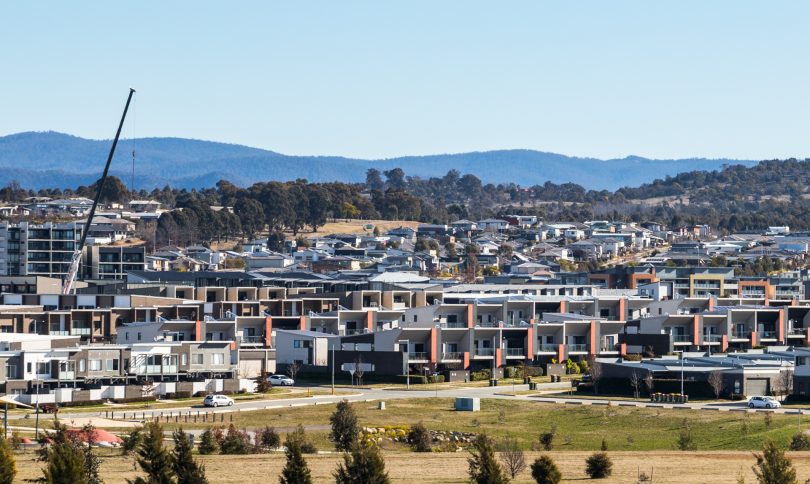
296 471
545 471
8 467
187 470
65 463
153 457
344 426
773 466
208 443
363 465
484 467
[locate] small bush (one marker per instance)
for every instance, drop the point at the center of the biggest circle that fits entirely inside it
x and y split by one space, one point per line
547 439
419 438
598 466
685 440
799 442
545 471
481 375
604 445
768 420
208 443
235 442
269 438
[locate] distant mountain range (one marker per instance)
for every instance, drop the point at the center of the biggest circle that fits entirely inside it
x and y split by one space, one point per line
50 159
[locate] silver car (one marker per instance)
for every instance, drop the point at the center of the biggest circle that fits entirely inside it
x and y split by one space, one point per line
218 401
763 402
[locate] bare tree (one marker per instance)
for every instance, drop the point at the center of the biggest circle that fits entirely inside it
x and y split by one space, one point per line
595 370
358 369
293 368
635 382
784 383
716 382
512 456
649 382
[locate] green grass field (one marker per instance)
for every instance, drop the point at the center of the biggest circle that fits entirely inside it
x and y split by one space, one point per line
577 427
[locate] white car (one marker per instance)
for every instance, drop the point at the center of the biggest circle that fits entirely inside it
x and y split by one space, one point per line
281 380
763 402
218 401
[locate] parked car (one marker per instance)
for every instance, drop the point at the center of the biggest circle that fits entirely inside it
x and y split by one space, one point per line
217 401
281 380
763 402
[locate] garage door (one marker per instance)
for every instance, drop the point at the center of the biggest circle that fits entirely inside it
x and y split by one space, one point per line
250 368
756 386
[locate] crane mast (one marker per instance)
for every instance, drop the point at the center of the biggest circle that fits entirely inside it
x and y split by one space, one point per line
76 259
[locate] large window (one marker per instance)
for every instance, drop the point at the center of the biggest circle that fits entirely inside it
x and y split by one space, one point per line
217 359
95 365
197 359
112 365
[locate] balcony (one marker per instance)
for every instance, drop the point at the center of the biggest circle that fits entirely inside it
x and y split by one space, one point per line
452 355
486 325
455 325
577 348
484 352
741 335
712 338
56 332
417 355
515 352
609 348
766 335
547 348
797 332
81 331
66 375
251 340
681 338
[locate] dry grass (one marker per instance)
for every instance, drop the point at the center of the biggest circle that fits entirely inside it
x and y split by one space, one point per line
357 226
666 467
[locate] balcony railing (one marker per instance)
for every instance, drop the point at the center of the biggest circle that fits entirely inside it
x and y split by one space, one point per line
417 355
681 338
485 352
766 334
455 325
67 375
487 325
712 338
609 348
56 332
515 352
252 339
797 331
452 355
547 348
577 348
80 331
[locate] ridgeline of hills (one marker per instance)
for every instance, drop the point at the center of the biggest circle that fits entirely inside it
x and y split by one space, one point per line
50 160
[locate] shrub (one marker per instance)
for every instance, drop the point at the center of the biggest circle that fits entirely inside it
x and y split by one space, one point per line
547 439
208 443
344 426
545 471
269 438
419 438
571 367
598 466
604 445
235 442
8 468
685 440
483 466
363 465
300 436
799 442
296 470
481 375
773 467
131 441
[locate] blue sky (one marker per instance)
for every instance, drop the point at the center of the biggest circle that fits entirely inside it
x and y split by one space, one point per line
381 79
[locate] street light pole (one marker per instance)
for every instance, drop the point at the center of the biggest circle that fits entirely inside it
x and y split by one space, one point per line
682 358
407 362
333 368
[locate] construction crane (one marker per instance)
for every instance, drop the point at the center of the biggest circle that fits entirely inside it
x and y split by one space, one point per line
76 259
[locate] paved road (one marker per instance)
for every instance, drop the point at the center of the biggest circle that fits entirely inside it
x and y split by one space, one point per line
377 394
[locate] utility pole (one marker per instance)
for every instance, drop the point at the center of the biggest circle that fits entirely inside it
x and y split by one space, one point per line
333 369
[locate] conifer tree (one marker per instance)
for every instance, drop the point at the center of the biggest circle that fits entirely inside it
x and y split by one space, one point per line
344 426
187 470
484 467
364 464
296 471
208 443
153 457
8 467
773 466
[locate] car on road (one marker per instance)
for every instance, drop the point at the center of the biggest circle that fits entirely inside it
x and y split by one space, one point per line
214 400
763 402
281 380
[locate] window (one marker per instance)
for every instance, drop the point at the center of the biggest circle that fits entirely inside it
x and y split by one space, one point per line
139 335
95 365
218 359
801 360
43 367
82 365
197 359
184 359
126 336
112 365
29 367
11 371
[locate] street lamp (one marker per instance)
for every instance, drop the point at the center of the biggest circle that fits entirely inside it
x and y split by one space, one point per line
681 354
407 362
